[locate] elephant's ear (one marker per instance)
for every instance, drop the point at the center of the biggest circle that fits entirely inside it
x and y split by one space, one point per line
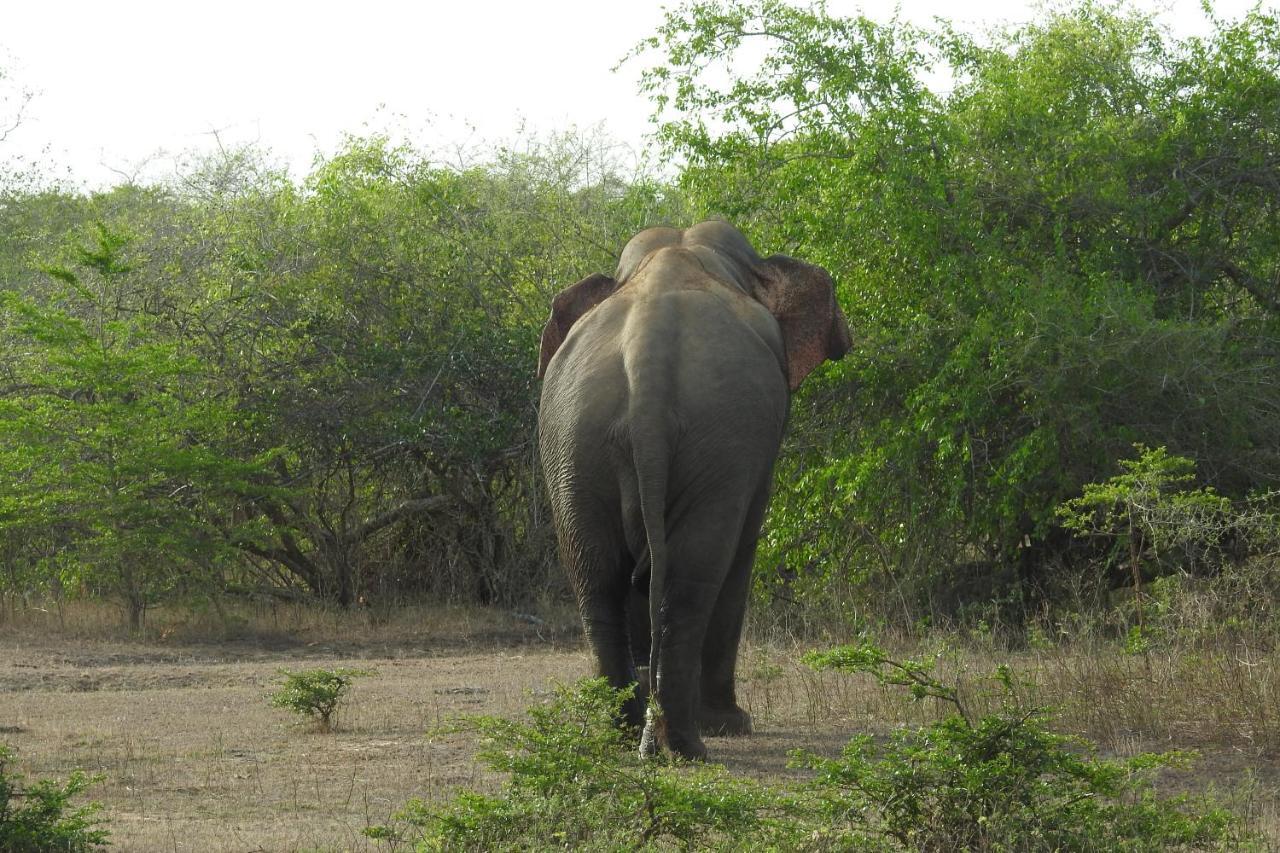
802 298
567 308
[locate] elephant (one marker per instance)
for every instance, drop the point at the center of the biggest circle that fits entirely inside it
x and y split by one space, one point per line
666 389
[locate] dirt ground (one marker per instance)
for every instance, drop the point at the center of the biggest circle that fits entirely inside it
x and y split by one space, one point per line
194 758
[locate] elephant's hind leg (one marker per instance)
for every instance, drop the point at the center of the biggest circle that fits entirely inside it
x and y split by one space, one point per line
698 565
719 712
602 600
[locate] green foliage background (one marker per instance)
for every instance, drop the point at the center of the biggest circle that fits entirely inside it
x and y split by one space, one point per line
1051 243
1067 247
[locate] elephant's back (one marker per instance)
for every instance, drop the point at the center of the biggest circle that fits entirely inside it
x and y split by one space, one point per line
671 357
651 382
710 359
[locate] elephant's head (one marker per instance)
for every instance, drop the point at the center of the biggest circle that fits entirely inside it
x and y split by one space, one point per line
800 296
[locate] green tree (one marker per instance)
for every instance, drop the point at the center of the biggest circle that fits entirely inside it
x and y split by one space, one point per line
369 334
1071 249
397 362
109 440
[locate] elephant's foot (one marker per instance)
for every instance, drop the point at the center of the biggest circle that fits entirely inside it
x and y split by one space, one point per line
648 742
642 685
657 733
689 748
724 722
632 715
633 710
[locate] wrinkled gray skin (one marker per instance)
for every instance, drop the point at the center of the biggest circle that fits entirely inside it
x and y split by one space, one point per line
665 396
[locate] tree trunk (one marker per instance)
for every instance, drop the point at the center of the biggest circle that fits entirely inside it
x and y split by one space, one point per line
137 612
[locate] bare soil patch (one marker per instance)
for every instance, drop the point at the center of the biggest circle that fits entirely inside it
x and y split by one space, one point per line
195 759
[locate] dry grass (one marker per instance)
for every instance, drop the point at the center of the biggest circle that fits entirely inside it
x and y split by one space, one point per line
195 759
288 624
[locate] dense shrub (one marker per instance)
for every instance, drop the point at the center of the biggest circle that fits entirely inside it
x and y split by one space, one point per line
577 782
1000 781
38 816
1067 247
1052 242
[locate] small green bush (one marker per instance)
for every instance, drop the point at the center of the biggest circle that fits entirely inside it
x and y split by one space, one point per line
39 817
1164 535
1002 781
577 782
316 693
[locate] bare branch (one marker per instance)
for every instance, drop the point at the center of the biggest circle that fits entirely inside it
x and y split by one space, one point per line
404 510
1255 286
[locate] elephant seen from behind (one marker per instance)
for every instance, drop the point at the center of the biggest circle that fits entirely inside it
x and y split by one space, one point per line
665 393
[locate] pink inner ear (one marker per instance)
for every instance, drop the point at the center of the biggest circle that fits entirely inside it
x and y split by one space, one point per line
801 297
806 328
803 358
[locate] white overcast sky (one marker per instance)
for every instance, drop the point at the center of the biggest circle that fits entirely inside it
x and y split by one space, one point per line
117 82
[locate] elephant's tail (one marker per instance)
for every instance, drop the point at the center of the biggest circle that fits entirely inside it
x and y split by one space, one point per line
652 461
